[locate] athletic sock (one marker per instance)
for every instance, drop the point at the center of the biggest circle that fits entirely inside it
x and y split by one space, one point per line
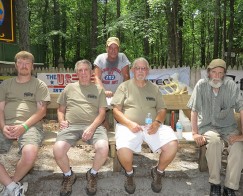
69 173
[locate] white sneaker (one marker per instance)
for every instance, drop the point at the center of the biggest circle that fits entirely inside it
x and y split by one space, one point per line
20 189
4 192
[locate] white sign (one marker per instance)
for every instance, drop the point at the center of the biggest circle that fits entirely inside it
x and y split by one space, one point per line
236 75
56 82
159 75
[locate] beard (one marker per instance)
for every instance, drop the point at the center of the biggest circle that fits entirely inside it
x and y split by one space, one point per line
215 83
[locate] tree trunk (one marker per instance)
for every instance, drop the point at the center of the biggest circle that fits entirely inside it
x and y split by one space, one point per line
44 30
145 39
56 38
64 30
78 30
23 24
203 38
180 35
118 14
224 35
231 32
94 33
171 32
216 29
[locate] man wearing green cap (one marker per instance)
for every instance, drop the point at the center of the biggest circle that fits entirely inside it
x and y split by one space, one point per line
213 103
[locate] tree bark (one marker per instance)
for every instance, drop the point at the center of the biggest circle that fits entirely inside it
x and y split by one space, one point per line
231 32
94 33
56 37
216 29
145 39
22 13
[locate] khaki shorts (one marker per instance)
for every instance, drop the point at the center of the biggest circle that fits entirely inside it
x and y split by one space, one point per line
33 136
74 133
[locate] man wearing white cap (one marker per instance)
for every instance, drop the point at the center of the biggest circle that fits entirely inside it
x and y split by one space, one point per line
112 67
213 103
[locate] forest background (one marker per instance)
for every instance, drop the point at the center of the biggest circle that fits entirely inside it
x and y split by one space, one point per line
166 32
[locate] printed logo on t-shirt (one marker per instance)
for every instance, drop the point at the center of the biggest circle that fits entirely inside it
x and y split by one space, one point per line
150 98
28 94
92 96
110 77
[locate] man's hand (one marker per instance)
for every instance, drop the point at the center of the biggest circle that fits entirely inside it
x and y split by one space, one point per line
64 124
13 132
108 94
88 134
93 78
199 139
235 138
134 127
153 128
7 131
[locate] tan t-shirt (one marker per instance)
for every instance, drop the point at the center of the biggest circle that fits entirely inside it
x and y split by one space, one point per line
136 101
82 102
21 99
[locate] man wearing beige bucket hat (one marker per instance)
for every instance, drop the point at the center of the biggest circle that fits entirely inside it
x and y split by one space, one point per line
112 67
213 103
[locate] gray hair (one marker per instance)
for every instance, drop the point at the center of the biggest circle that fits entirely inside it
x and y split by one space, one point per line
84 61
140 59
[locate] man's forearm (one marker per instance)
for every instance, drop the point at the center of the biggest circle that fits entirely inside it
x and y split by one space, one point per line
120 117
2 121
241 120
36 117
98 120
194 117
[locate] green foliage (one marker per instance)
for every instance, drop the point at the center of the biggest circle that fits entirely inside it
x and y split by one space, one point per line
139 20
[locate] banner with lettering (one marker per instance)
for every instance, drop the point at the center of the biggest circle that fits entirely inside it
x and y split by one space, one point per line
56 82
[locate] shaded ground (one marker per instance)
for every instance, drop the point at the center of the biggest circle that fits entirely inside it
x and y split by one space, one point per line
182 176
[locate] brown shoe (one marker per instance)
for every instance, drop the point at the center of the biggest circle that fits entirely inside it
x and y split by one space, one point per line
129 185
156 184
91 187
67 184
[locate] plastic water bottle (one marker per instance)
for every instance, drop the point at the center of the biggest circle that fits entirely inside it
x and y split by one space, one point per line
179 129
148 119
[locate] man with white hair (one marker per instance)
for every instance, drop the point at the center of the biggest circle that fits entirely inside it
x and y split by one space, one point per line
212 104
133 100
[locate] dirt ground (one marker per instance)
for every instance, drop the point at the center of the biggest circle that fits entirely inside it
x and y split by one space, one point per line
182 176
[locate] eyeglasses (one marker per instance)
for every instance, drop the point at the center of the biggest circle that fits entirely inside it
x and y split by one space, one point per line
140 68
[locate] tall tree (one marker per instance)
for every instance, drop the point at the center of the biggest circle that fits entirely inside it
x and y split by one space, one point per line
171 32
78 30
203 37
56 36
180 33
146 37
231 32
216 29
94 30
23 24
118 14
64 30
